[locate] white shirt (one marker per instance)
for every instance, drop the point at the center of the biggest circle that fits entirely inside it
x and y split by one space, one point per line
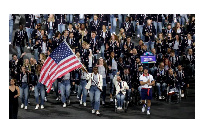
176 44
37 15
189 42
90 61
144 78
50 25
104 34
114 64
179 30
44 47
81 16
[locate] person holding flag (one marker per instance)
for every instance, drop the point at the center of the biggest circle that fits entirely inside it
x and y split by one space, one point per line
95 83
59 63
146 81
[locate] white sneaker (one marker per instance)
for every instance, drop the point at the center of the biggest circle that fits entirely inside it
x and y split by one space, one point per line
28 47
98 113
103 103
33 88
84 103
22 106
148 112
37 106
182 95
160 97
64 105
45 99
111 100
93 111
118 108
77 97
25 107
57 99
80 102
42 106
9 43
31 48
143 109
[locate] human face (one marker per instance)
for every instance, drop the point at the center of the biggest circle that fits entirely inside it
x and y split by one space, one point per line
95 70
153 51
189 36
179 68
14 57
38 26
70 26
66 33
104 27
93 35
134 51
162 65
145 71
95 17
140 42
190 51
101 61
21 27
113 37
129 39
177 37
172 54
169 27
71 35
27 61
12 82
23 69
140 69
178 25
127 19
149 22
160 36
170 72
119 78
125 71
166 62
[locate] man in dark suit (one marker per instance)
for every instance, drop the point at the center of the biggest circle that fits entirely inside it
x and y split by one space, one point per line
128 27
60 21
95 25
149 32
19 38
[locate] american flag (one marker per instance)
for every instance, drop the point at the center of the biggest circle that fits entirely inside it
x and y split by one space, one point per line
60 62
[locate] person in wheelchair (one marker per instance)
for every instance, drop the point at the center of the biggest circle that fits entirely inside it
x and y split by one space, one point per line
172 83
127 78
161 80
181 80
121 87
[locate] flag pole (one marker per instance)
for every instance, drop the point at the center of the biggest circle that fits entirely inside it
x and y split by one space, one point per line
76 56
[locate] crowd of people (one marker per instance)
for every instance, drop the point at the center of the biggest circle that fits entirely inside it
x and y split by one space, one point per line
93 39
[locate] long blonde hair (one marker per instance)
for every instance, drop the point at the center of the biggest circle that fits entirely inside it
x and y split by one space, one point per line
51 18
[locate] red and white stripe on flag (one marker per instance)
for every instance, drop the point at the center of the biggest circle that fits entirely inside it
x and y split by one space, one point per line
51 70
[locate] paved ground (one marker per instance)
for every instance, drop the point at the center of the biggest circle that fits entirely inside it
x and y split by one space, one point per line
159 110
54 110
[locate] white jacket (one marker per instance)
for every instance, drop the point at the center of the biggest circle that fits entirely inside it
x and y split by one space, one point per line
89 78
117 86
